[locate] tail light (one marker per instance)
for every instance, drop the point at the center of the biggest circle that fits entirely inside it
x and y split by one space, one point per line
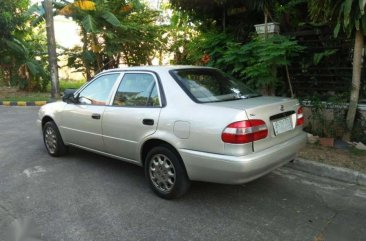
300 117
244 132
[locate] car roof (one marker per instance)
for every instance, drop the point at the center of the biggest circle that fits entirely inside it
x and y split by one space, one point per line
156 68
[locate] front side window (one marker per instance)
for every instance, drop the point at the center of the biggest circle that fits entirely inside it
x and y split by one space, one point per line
97 92
211 85
137 89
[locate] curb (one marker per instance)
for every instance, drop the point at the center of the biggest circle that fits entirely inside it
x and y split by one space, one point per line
24 103
324 170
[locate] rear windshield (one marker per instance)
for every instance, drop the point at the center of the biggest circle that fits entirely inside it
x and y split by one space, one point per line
211 85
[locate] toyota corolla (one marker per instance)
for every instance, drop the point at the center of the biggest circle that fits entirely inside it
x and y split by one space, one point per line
180 123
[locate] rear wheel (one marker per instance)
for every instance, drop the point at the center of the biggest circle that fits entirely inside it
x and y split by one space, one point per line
165 173
53 140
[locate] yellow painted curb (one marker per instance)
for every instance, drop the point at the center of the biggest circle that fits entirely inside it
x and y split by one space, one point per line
21 103
7 103
40 103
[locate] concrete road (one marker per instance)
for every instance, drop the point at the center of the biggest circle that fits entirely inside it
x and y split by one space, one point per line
84 196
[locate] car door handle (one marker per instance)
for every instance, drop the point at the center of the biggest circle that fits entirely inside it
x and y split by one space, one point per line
95 116
148 122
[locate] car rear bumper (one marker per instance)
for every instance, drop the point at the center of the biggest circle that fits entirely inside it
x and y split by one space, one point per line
209 167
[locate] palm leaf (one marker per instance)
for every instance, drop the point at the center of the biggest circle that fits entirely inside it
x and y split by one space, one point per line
357 24
35 9
111 18
17 46
59 5
33 68
363 23
347 11
37 21
88 56
89 24
361 4
25 50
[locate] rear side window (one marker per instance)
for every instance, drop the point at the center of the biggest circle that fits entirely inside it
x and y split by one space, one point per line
138 90
211 85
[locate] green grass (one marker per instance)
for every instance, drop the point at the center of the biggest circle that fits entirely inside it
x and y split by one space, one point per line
71 84
68 84
14 94
29 97
357 152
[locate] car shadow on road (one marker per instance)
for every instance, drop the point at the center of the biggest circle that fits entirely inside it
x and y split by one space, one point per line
119 191
121 171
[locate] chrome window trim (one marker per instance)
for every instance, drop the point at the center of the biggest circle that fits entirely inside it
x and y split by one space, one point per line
138 72
113 89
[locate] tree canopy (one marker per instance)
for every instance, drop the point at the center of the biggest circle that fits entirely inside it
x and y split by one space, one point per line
22 62
348 16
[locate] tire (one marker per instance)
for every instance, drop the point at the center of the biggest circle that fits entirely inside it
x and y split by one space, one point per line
166 173
53 140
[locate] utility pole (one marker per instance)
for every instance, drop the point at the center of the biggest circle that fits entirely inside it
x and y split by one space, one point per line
52 55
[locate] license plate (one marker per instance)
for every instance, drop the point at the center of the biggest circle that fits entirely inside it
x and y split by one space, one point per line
282 125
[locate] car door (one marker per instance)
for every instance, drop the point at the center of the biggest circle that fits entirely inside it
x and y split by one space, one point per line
82 121
133 114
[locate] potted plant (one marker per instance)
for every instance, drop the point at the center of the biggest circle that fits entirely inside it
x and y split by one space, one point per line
267 27
272 28
321 122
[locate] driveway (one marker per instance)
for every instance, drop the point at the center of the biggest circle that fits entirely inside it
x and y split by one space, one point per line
84 196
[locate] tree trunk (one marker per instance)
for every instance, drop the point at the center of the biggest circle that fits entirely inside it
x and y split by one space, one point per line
160 56
10 76
52 55
98 56
85 49
289 80
356 82
265 23
127 60
118 59
224 18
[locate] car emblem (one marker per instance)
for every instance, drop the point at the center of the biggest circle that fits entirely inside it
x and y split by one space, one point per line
282 108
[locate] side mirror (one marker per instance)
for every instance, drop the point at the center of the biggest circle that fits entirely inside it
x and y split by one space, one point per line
69 97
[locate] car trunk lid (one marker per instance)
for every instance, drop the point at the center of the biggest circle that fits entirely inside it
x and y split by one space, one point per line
279 114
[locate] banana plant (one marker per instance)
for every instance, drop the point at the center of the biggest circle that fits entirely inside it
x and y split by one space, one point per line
92 17
22 47
30 70
349 17
264 6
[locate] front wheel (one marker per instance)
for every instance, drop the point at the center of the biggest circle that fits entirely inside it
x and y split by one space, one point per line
53 140
165 173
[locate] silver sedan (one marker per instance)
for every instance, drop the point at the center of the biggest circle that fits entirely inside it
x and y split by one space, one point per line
181 123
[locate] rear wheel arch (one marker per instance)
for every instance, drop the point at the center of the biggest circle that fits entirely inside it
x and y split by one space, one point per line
164 169
150 144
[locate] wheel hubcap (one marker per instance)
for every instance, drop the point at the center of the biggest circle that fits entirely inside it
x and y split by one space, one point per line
162 173
50 139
